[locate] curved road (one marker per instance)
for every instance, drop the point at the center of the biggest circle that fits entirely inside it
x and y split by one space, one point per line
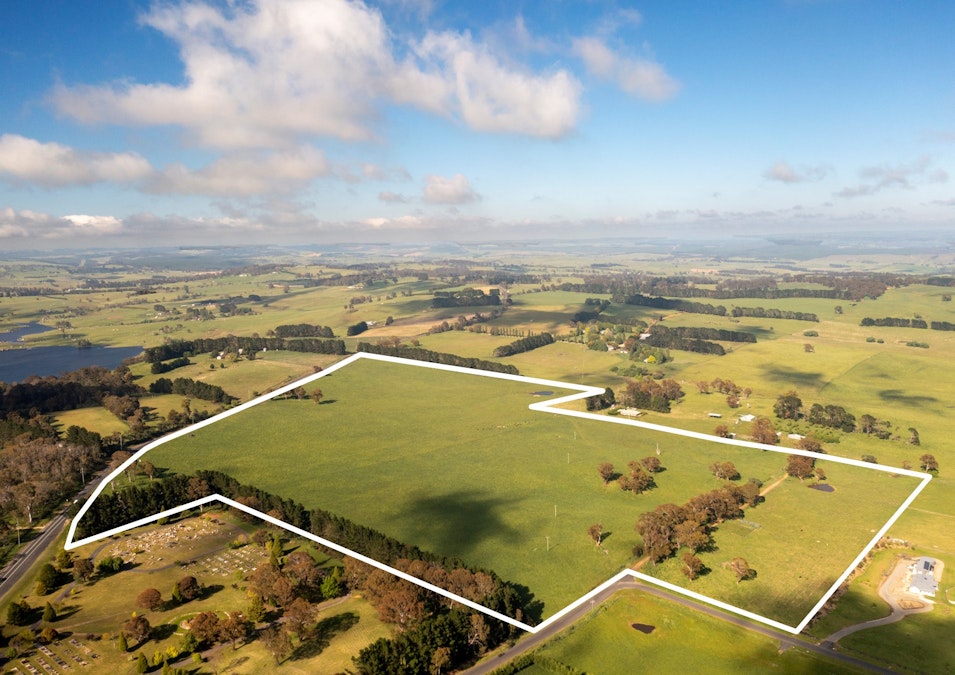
785 639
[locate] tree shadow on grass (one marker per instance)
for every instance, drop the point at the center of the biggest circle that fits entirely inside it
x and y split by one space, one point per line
456 523
794 377
321 636
163 631
896 396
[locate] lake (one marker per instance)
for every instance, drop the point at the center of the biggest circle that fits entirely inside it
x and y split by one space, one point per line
25 329
19 364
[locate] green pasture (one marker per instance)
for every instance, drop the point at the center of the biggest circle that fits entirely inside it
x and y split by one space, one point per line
244 377
99 420
456 464
680 640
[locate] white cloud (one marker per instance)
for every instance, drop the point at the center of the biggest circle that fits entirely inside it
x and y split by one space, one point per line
640 77
53 165
784 172
392 198
454 190
904 176
465 79
271 72
34 225
244 174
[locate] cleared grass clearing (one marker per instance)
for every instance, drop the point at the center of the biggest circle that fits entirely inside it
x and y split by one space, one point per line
681 640
95 419
456 464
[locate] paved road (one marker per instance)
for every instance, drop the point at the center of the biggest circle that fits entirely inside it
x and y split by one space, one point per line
30 554
785 639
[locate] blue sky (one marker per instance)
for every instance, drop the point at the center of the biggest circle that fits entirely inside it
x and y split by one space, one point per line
128 122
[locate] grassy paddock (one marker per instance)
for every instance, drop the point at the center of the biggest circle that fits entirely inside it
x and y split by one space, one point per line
516 491
681 640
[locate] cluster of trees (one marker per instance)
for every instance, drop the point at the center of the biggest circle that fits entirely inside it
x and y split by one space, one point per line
82 388
38 474
418 354
434 634
601 401
679 305
773 313
524 345
159 367
172 349
670 527
665 338
466 297
638 480
594 308
700 333
300 330
789 406
357 328
652 394
193 388
727 387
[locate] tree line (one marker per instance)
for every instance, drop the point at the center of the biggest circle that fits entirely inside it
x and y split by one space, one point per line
468 297
419 354
524 345
665 338
773 313
678 305
193 388
177 348
159 367
901 322
302 330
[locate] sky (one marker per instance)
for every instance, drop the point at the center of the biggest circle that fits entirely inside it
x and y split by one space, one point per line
189 122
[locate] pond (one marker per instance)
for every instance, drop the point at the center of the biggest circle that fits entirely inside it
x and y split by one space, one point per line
25 329
19 364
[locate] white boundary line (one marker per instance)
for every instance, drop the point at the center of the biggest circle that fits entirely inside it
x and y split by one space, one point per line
544 406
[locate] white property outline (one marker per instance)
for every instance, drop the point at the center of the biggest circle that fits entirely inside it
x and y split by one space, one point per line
543 406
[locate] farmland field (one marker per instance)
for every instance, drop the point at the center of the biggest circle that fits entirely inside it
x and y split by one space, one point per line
456 464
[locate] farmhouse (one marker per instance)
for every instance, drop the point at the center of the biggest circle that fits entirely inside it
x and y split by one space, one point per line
923 577
747 417
630 412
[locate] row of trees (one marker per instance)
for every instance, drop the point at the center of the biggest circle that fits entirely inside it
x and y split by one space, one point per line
664 338
193 388
678 305
159 367
418 354
134 502
300 330
773 313
524 345
172 349
467 297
